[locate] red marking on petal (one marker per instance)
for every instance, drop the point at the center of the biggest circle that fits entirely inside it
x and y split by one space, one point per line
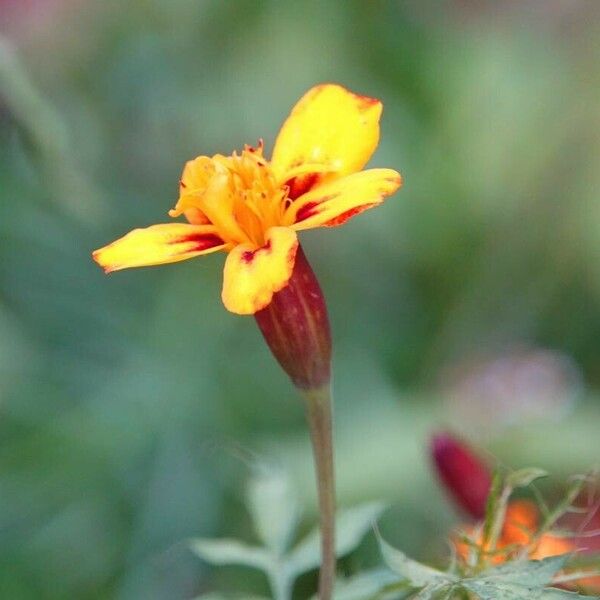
365 102
248 255
341 219
308 210
182 184
201 241
258 148
302 184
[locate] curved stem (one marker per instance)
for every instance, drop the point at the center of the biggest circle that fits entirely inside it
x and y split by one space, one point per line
319 416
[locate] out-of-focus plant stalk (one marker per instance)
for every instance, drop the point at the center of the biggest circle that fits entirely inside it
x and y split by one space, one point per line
295 326
47 136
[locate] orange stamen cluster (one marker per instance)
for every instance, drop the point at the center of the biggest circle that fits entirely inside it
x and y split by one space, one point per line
238 194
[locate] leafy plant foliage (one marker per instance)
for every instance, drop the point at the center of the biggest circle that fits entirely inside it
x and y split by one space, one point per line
275 515
487 572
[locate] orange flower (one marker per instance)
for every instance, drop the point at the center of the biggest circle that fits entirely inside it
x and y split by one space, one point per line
253 208
520 525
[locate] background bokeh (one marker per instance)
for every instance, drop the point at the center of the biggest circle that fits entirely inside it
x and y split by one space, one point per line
132 405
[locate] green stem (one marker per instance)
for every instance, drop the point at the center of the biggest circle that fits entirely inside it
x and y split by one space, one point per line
319 416
280 583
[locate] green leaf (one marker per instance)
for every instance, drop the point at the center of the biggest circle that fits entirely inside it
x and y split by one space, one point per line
230 552
273 507
521 580
556 594
417 574
524 477
351 526
488 590
536 573
432 591
493 506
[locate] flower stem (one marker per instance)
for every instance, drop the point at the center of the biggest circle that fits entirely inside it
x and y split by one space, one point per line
319 416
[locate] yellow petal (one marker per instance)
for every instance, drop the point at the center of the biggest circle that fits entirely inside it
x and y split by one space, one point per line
335 202
330 126
252 275
157 245
207 195
194 180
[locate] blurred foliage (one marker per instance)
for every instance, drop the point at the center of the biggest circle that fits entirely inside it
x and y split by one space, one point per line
271 503
130 404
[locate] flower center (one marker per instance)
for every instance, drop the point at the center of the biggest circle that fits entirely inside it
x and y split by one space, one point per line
238 194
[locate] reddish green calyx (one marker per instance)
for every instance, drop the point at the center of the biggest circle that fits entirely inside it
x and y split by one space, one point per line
296 328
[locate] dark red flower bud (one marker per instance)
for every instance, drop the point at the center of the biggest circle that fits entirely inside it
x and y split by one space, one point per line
296 328
464 475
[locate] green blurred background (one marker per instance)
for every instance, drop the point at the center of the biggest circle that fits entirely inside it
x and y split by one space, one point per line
131 405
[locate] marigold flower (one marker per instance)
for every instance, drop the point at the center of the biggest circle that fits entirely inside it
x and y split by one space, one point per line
252 208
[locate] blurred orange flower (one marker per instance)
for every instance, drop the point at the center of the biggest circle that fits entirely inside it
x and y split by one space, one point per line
519 530
467 479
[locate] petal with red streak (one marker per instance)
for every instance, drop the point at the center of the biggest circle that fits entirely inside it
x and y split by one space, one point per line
157 245
335 202
252 275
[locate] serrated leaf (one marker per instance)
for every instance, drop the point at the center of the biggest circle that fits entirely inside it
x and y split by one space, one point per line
230 552
416 574
556 594
351 526
536 573
521 579
524 477
273 508
489 590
